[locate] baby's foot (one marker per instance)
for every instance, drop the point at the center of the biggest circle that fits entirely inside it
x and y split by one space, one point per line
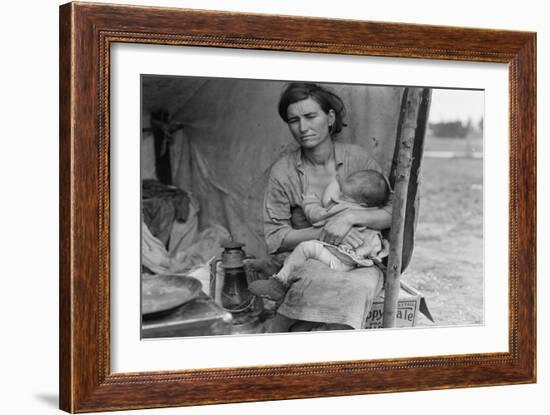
272 289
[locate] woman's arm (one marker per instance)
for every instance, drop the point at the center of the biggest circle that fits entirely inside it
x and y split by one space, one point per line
378 219
337 228
284 225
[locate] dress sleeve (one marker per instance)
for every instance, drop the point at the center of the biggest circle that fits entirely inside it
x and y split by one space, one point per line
277 215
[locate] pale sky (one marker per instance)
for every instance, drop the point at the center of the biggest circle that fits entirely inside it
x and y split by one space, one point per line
456 104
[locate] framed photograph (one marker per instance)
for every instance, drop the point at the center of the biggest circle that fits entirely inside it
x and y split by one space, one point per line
254 208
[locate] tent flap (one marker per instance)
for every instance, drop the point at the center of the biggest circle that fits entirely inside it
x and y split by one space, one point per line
232 135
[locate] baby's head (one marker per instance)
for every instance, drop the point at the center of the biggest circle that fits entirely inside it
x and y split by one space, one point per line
367 187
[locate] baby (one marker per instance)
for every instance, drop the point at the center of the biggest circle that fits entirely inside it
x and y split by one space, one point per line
362 189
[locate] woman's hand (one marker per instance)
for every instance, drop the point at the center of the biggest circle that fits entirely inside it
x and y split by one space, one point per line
353 238
336 229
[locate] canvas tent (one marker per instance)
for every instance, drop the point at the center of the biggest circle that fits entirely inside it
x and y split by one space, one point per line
231 134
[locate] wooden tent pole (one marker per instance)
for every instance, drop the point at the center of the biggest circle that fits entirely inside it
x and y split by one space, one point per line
412 98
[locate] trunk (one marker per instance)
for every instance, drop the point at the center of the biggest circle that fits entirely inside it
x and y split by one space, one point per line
414 109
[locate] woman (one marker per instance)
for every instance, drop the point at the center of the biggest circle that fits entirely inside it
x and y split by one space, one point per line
315 116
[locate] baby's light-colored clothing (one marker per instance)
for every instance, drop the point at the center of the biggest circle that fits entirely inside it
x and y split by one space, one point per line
371 252
374 247
310 250
336 258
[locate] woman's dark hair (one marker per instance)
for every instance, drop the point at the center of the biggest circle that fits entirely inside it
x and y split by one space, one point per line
298 91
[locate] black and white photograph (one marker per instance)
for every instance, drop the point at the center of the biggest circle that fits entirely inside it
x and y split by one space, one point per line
209 208
296 206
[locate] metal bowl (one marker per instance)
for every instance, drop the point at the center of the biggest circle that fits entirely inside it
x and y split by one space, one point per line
160 293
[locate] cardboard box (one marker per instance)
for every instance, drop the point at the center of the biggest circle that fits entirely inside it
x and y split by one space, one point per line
409 304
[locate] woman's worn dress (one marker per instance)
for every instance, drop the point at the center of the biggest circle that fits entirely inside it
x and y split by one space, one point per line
317 293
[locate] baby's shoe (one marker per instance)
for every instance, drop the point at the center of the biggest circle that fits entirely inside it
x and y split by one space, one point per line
272 289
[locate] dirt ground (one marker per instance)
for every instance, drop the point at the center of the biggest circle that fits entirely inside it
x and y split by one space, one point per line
447 264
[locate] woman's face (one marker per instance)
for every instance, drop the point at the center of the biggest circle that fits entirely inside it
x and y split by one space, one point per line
308 122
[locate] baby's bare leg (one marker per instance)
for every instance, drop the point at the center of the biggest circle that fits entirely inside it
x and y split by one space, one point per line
300 254
275 288
309 250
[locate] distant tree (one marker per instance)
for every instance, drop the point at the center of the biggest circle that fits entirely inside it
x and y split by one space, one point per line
469 124
451 129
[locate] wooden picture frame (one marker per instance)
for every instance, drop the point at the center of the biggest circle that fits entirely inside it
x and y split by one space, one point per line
86 33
